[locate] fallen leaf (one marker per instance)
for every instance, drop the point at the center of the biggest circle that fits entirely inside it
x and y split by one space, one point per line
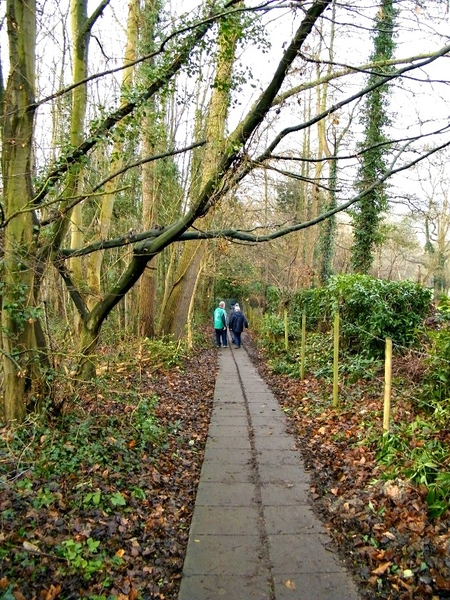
443 584
30 547
407 573
53 592
290 585
393 491
382 568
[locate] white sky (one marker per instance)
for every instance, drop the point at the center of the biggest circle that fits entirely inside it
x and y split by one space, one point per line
416 104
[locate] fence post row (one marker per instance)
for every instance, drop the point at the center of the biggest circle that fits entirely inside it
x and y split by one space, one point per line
336 326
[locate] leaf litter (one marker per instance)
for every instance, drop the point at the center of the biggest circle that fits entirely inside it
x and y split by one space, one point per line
116 525
381 528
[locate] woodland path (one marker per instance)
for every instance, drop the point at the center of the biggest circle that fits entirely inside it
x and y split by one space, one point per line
254 535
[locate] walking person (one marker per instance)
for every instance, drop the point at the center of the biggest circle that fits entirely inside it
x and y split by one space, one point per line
220 325
237 324
230 314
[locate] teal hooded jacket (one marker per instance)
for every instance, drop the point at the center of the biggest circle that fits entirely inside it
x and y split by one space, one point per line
220 318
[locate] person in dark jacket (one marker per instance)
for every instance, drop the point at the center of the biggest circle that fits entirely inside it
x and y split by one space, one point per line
230 314
237 324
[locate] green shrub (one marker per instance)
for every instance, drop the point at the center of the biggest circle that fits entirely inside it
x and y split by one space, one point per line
370 311
165 350
412 452
315 303
443 308
272 333
273 299
435 387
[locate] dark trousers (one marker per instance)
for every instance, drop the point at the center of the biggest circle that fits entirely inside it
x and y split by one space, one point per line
237 338
221 337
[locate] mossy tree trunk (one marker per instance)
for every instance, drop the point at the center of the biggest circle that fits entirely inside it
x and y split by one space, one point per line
368 214
176 310
103 223
19 312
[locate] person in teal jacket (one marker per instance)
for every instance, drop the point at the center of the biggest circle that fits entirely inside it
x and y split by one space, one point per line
220 325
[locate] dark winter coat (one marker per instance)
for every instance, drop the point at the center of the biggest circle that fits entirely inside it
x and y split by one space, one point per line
238 322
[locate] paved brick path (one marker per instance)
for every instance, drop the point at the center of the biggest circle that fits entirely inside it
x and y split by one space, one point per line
253 534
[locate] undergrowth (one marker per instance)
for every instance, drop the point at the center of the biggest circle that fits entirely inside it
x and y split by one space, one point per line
78 490
416 449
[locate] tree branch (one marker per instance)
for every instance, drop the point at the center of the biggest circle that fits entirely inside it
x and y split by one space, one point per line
90 22
367 68
109 123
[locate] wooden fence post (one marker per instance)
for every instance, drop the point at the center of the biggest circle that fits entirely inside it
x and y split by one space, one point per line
302 347
387 385
336 359
286 332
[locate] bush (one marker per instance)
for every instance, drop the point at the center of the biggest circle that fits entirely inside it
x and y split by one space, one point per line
370 311
273 298
316 304
443 309
435 389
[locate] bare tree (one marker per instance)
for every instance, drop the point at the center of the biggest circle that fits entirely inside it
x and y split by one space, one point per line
31 238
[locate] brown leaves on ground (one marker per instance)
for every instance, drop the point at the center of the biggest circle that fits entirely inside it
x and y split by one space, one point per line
381 528
138 505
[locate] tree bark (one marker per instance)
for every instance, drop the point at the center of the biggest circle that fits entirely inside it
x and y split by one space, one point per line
150 196
147 291
18 309
95 262
176 311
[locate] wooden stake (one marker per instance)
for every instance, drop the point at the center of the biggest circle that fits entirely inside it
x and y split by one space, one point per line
336 359
302 347
387 385
286 333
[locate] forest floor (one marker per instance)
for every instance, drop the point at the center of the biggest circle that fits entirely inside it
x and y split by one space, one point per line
380 526
89 508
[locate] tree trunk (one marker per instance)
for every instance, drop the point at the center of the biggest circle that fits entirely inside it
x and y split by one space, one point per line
147 291
177 306
80 36
18 309
176 310
368 214
92 321
107 202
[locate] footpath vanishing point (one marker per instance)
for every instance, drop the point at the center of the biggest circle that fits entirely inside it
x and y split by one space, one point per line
254 535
